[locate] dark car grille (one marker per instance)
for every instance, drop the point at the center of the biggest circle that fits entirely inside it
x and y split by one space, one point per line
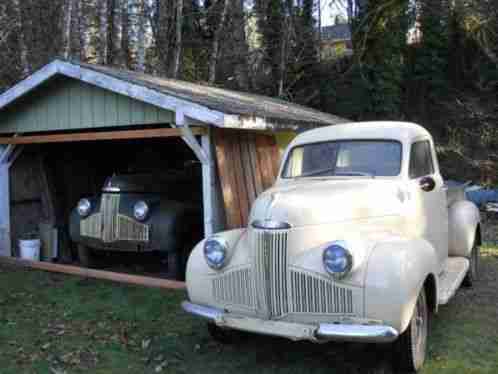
109 208
109 225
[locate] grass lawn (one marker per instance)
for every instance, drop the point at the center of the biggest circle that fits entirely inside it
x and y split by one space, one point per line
51 323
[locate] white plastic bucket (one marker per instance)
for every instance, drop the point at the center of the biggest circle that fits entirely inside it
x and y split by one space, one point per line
30 249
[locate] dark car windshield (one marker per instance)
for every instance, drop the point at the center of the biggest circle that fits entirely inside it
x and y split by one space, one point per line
344 158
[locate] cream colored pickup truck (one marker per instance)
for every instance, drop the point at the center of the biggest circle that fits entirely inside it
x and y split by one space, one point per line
359 240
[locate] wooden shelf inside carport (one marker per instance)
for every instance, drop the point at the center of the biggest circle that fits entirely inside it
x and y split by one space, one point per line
102 135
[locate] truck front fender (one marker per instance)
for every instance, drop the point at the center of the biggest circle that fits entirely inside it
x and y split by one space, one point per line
396 272
198 274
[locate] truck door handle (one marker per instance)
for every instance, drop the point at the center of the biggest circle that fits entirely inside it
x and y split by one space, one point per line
427 184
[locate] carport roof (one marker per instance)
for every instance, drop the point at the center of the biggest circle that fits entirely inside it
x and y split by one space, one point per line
197 102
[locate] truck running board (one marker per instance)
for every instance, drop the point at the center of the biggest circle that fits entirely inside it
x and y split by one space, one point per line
451 278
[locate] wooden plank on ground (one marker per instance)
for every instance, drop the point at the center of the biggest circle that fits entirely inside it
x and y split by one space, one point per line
96 274
103 135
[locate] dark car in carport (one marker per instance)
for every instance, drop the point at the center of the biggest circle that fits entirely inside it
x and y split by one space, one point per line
140 213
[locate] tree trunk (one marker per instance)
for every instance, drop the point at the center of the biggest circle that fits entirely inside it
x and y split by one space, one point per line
160 30
125 34
114 32
141 37
23 48
178 39
68 16
81 32
215 48
241 49
103 32
282 66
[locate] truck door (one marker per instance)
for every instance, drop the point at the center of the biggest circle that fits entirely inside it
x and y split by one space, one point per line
430 213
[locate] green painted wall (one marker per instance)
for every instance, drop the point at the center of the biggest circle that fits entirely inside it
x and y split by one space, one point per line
68 104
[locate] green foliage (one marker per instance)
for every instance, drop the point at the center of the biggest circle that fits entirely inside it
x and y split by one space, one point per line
431 61
374 87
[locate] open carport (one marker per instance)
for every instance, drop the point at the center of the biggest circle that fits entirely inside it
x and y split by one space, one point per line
69 126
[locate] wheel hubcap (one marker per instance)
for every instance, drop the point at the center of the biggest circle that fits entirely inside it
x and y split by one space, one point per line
475 259
419 332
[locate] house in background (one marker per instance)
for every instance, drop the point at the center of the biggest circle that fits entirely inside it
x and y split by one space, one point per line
336 41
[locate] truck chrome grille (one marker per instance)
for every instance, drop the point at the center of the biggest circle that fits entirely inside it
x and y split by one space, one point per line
129 229
109 208
315 295
274 288
234 287
270 272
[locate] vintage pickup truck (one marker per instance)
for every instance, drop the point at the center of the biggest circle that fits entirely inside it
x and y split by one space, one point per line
359 240
139 213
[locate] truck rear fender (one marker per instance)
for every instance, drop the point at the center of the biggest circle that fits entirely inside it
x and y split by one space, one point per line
464 220
397 270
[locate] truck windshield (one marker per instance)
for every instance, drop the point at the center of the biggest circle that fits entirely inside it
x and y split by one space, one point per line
368 158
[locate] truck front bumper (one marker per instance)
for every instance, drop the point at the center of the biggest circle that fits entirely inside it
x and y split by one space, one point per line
296 331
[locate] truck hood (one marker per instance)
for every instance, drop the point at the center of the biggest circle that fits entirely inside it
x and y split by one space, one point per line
314 202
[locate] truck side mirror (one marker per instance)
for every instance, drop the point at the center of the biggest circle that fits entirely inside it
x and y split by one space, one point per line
427 184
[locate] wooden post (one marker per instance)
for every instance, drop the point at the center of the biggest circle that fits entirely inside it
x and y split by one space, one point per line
204 155
5 246
5 162
208 186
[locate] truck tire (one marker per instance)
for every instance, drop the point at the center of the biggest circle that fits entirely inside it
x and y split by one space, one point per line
86 256
171 260
224 336
411 346
473 272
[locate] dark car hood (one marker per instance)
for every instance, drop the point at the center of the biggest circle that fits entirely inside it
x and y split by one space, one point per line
147 183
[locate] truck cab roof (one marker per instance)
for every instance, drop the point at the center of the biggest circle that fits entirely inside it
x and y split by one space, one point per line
405 132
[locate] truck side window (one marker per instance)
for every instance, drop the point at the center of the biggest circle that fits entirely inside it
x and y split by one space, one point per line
421 159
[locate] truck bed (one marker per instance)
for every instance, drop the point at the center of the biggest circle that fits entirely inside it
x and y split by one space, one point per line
455 192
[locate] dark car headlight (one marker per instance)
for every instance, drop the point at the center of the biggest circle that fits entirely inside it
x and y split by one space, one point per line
215 252
141 210
337 259
84 207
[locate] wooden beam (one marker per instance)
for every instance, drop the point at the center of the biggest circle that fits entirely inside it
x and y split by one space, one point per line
95 136
96 274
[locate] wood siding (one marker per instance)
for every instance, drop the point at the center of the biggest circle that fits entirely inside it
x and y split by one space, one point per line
248 164
68 104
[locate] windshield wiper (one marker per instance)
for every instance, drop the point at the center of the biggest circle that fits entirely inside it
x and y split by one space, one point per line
354 173
337 174
316 172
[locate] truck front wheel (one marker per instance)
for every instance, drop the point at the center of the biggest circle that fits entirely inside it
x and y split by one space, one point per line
412 344
224 336
473 271
86 256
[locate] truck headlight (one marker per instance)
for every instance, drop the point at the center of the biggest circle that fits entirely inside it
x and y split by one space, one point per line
141 210
84 207
337 259
215 252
